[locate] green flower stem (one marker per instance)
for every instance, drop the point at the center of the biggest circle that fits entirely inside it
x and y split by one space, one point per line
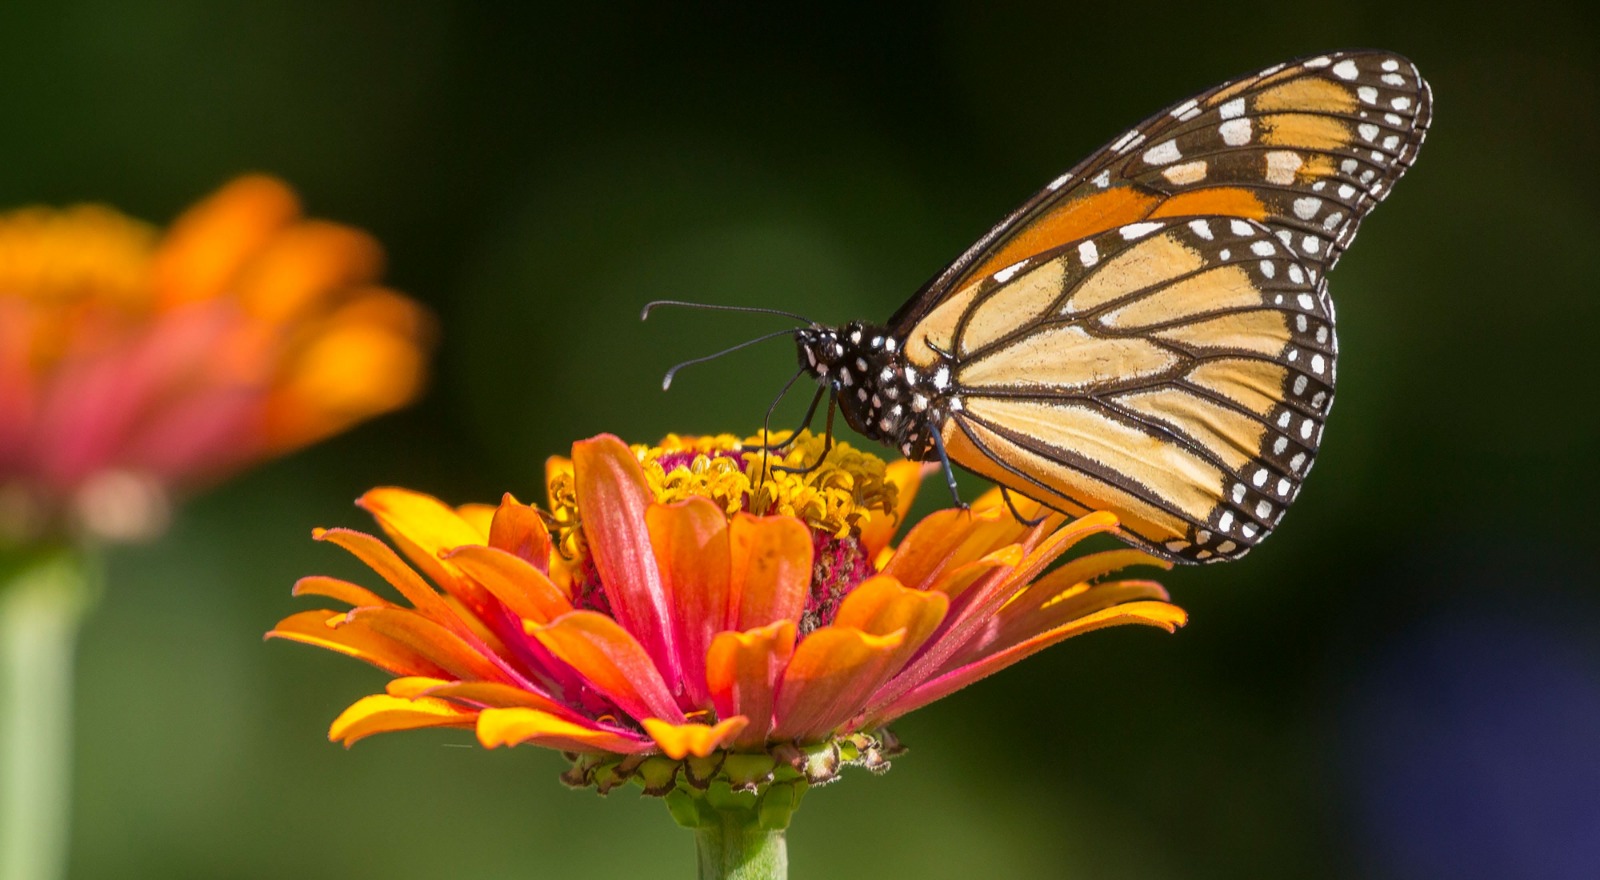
738 834
43 596
734 849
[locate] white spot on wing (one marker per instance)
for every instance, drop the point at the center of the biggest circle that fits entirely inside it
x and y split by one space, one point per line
1187 173
1163 153
1201 228
1346 69
1088 253
1235 132
1232 109
1307 207
1138 230
1005 274
1281 166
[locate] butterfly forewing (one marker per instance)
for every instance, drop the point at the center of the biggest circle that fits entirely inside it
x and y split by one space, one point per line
1306 148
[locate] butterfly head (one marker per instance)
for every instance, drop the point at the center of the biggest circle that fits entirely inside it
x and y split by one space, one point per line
879 393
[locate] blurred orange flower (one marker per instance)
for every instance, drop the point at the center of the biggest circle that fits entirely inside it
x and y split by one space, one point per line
680 601
133 362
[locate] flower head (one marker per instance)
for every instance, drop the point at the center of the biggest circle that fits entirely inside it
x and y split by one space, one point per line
134 362
679 607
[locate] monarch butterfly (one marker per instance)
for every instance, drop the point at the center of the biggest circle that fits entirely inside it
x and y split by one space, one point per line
1151 333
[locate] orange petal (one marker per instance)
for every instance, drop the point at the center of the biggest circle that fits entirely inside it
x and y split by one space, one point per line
1088 568
412 686
882 605
983 600
519 530
1157 614
690 539
742 670
205 247
387 563
381 713
906 476
368 357
316 628
771 569
338 590
613 497
301 266
456 655
524 589
678 741
612 661
485 694
1021 621
939 541
422 527
829 680
509 727
479 516
955 582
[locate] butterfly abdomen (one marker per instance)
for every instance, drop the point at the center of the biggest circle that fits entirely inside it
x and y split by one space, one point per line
880 394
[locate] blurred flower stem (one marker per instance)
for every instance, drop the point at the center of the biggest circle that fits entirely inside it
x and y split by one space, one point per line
44 593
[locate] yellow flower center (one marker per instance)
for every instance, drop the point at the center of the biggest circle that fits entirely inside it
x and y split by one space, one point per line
835 498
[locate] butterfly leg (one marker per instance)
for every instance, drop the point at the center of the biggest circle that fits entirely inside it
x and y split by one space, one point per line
827 443
1030 523
949 472
766 423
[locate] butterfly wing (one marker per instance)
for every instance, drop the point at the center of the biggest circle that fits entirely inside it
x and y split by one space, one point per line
1151 333
1175 371
1306 148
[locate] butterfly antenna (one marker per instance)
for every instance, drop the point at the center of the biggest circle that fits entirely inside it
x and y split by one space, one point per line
712 307
666 381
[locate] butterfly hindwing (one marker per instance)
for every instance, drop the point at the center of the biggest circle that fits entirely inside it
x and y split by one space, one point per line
1176 371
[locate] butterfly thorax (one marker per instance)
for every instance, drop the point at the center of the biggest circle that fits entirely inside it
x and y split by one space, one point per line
880 394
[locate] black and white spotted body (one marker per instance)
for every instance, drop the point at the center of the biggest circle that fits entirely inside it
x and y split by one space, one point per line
881 396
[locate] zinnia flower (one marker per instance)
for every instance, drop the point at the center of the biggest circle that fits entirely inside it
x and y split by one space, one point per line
134 363
682 618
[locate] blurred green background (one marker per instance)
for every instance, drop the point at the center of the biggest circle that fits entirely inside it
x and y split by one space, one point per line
1404 682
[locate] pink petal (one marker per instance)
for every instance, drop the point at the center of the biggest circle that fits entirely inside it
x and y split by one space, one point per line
612 661
1157 614
691 546
613 497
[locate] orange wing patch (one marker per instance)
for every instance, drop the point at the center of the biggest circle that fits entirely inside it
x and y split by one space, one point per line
1068 221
